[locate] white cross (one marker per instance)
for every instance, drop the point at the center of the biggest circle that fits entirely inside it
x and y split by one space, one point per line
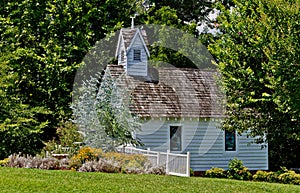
132 20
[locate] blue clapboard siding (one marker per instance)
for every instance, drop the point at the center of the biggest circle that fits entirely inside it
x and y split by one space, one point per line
205 141
137 68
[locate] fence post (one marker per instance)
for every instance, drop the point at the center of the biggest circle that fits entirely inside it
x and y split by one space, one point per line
158 159
148 150
188 172
167 162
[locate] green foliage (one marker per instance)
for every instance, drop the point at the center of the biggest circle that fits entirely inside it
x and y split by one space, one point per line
192 173
68 134
67 140
288 177
126 161
167 48
91 159
84 154
257 54
215 173
21 131
42 44
237 170
261 176
265 176
4 162
193 11
21 126
282 176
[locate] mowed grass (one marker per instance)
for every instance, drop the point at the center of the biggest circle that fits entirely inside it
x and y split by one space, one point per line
33 180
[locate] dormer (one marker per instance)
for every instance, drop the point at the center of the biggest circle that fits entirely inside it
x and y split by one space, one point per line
132 51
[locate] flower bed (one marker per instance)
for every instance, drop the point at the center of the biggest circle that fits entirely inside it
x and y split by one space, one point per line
87 160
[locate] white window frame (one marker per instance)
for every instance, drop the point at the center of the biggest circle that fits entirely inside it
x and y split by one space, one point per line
181 137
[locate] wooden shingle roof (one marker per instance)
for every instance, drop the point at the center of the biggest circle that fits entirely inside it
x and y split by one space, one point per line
128 34
181 92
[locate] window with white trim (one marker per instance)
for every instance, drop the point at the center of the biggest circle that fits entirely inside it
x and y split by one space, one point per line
175 138
137 55
230 141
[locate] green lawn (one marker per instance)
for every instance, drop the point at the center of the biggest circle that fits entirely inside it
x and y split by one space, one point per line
32 180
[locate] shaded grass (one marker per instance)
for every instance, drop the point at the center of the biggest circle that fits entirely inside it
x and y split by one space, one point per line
33 180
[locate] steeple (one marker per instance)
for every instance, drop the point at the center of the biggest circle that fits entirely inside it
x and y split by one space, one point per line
132 51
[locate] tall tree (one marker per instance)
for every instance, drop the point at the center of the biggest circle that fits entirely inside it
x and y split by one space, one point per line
168 17
21 127
194 10
42 44
258 56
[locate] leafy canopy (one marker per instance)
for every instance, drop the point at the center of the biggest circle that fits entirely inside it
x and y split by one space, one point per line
258 56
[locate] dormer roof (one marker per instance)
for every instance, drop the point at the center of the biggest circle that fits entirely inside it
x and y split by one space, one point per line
128 36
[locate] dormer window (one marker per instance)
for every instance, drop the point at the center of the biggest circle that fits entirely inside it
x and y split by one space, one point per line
137 55
132 52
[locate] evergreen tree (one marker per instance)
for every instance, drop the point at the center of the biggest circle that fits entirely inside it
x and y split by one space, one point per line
103 114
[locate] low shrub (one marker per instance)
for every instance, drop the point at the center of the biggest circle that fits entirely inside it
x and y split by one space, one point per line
156 170
238 171
88 160
135 161
129 164
4 162
289 177
282 176
84 154
67 134
272 177
192 173
50 163
102 165
215 173
261 176
110 166
113 162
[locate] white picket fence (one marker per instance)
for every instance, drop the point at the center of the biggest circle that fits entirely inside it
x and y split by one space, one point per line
175 164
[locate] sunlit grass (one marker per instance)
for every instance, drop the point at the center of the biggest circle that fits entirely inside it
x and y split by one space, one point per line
33 180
